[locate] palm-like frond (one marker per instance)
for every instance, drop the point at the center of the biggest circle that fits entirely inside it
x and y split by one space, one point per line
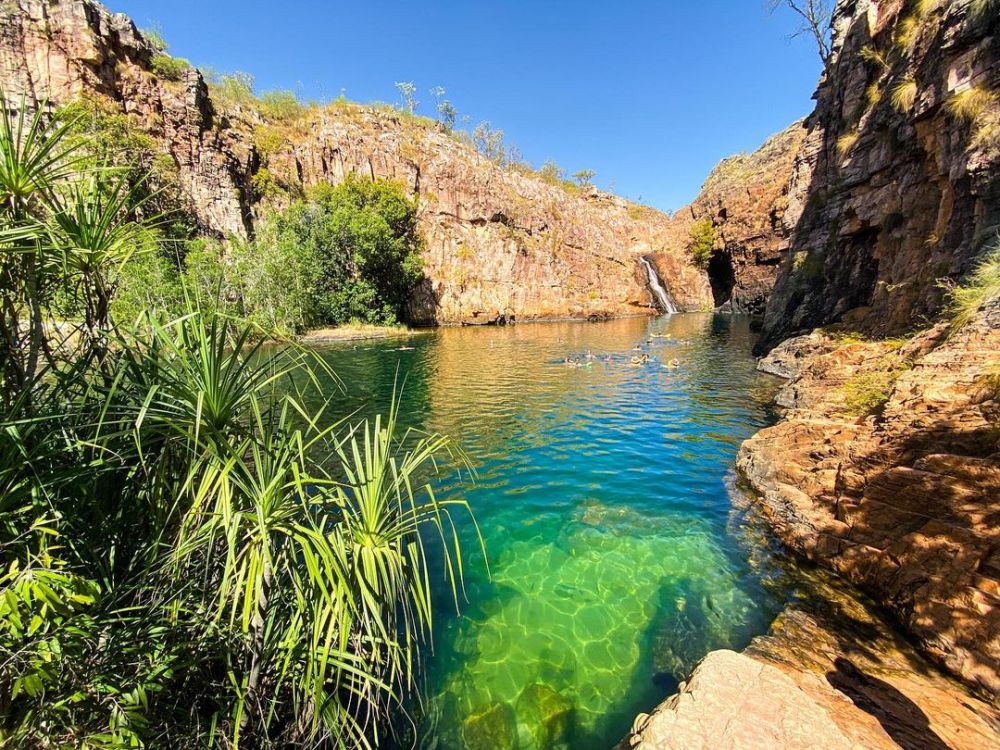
33 156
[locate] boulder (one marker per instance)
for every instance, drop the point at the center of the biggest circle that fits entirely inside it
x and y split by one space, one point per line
494 728
547 715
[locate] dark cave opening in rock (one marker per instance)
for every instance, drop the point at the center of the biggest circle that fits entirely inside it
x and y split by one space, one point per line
722 277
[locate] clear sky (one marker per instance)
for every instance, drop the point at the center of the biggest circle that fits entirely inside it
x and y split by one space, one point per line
650 95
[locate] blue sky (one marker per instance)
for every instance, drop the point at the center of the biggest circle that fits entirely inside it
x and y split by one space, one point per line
650 95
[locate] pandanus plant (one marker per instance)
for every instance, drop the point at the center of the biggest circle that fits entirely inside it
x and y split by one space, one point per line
191 554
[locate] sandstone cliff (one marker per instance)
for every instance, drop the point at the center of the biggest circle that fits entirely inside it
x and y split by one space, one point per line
497 239
745 199
894 187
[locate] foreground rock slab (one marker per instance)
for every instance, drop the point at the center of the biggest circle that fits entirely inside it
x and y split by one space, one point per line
734 701
832 673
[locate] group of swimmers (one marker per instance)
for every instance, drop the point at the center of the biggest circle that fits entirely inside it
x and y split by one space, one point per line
637 360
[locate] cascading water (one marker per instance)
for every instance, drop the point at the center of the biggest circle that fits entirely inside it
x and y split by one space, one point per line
666 304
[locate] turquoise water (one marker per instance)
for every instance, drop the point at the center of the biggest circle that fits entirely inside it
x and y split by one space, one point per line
603 494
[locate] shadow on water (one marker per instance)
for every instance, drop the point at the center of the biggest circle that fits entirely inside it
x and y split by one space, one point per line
602 500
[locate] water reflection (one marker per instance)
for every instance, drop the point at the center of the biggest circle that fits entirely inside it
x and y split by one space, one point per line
601 495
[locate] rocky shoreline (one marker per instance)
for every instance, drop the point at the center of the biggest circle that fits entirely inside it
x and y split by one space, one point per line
832 673
896 502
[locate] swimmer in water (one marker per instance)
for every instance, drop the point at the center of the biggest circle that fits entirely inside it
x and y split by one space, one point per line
590 354
674 363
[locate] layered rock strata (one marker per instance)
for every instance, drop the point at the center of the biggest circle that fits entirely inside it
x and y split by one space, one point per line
497 239
895 187
902 502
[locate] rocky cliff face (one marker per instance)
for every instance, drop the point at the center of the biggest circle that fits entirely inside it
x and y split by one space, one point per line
893 191
895 186
496 239
745 201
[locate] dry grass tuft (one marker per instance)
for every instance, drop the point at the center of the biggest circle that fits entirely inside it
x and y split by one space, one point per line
904 94
846 143
971 104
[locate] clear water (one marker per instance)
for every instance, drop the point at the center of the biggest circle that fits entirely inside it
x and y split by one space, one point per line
604 497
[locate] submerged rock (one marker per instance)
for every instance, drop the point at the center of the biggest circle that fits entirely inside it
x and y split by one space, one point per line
494 728
547 715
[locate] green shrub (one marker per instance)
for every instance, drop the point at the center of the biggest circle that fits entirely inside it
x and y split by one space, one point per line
265 184
362 238
147 281
232 90
279 105
268 140
552 173
868 392
155 38
348 253
701 241
168 67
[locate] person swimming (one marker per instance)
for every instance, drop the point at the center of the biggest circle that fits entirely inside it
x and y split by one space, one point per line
673 364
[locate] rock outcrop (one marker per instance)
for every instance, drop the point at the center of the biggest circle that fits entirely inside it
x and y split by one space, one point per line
902 501
895 187
831 673
497 239
745 199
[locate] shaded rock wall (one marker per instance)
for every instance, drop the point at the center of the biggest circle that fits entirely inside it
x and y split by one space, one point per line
496 239
889 196
745 197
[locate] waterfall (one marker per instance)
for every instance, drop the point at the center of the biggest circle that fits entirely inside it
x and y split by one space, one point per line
662 296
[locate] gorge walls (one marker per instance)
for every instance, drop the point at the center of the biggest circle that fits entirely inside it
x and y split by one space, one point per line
885 466
740 213
496 238
894 190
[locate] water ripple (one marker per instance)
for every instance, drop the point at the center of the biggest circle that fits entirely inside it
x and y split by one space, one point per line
602 498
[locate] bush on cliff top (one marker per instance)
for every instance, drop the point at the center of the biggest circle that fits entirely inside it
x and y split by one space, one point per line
168 67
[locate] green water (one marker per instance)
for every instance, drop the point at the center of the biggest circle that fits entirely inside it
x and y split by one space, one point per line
604 497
